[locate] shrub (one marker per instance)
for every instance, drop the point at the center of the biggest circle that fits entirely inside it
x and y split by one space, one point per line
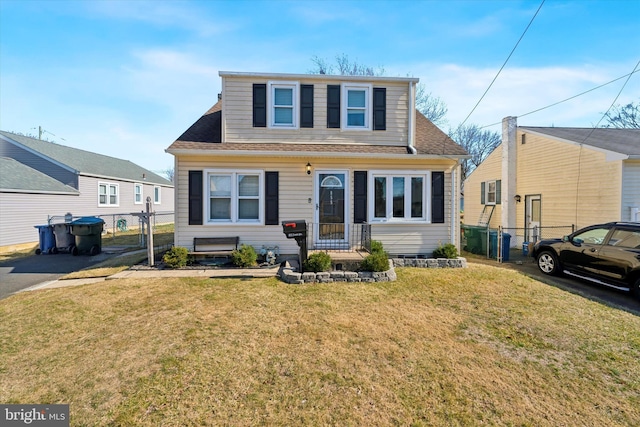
377 261
319 261
176 257
446 251
376 247
246 256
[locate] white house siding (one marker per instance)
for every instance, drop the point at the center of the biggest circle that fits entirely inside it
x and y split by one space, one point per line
238 115
630 190
20 212
296 187
577 185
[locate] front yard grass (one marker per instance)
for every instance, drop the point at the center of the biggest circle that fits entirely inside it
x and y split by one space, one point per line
462 347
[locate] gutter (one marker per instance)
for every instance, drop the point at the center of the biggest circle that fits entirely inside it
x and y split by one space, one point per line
303 154
412 119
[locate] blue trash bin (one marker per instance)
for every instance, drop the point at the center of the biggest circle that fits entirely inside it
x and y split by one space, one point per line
46 239
493 245
506 246
525 249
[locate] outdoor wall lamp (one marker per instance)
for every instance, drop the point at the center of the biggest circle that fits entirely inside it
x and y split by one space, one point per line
518 198
308 168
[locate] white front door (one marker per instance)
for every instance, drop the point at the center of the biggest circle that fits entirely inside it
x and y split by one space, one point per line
532 217
332 197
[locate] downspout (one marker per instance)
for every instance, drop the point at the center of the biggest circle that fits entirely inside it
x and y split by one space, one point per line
455 206
412 119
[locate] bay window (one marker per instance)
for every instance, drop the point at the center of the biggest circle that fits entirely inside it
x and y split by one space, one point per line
235 196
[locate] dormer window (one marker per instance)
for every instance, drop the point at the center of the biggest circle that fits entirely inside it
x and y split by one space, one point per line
356 109
283 104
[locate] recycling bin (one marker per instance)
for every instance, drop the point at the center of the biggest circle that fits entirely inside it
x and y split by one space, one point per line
65 241
88 235
525 249
493 245
47 241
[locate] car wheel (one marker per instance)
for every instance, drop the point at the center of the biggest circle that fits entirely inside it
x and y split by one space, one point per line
548 263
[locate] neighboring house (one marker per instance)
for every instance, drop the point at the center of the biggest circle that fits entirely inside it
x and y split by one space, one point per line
335 151
39 179
554 176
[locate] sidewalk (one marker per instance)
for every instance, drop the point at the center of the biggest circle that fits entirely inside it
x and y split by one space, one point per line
203 272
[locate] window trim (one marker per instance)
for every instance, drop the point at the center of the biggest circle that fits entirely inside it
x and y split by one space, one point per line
157 191
235 199
135 187
109 185
295 100
368 108
407 175
487 192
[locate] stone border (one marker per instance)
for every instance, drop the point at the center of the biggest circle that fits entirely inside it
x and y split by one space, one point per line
288 274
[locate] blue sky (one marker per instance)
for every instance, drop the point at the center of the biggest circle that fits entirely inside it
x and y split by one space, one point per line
126 77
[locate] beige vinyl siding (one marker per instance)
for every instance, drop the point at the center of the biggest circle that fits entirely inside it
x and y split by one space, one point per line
489 170
577 185
296 188
630 188
238 116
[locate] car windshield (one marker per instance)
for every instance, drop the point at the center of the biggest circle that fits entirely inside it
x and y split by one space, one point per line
594 236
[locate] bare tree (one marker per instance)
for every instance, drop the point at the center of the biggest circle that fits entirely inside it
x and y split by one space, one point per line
431 106
478 143
627 116
169 174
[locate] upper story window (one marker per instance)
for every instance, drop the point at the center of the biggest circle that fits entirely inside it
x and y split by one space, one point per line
157 191
108 194
283 104
137 194
356 106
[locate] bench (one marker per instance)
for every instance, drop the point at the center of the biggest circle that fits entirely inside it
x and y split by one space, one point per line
223 245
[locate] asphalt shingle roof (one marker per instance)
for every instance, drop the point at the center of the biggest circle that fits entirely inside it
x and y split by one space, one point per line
88 163
205 134
16 176
623 141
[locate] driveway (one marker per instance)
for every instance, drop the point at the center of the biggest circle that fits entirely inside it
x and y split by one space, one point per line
22 273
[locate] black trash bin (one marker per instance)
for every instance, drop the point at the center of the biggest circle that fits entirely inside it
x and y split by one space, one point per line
88 235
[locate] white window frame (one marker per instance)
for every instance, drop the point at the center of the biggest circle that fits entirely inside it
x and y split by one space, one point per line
235 197
487 192
295 107
108 186
137 186
157 195
407 175
368 110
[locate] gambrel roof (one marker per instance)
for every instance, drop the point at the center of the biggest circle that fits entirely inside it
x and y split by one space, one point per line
206 135
85 162
622 141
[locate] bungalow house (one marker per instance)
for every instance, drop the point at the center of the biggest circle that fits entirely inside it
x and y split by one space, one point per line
349 155
547 177
41 179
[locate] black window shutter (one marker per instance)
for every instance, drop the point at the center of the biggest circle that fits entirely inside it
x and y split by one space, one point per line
271 190
306 106
498 192
333 106
437 197
259 105
195 197
379 108
359 197
482 201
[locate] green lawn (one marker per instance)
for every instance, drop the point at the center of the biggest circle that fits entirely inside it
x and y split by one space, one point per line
476 346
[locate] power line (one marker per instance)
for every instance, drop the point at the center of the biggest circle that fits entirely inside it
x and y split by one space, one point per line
504 64
568 99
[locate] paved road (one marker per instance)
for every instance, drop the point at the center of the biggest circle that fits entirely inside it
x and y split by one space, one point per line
22 273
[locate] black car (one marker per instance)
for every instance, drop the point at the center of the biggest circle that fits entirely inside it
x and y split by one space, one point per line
608 254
